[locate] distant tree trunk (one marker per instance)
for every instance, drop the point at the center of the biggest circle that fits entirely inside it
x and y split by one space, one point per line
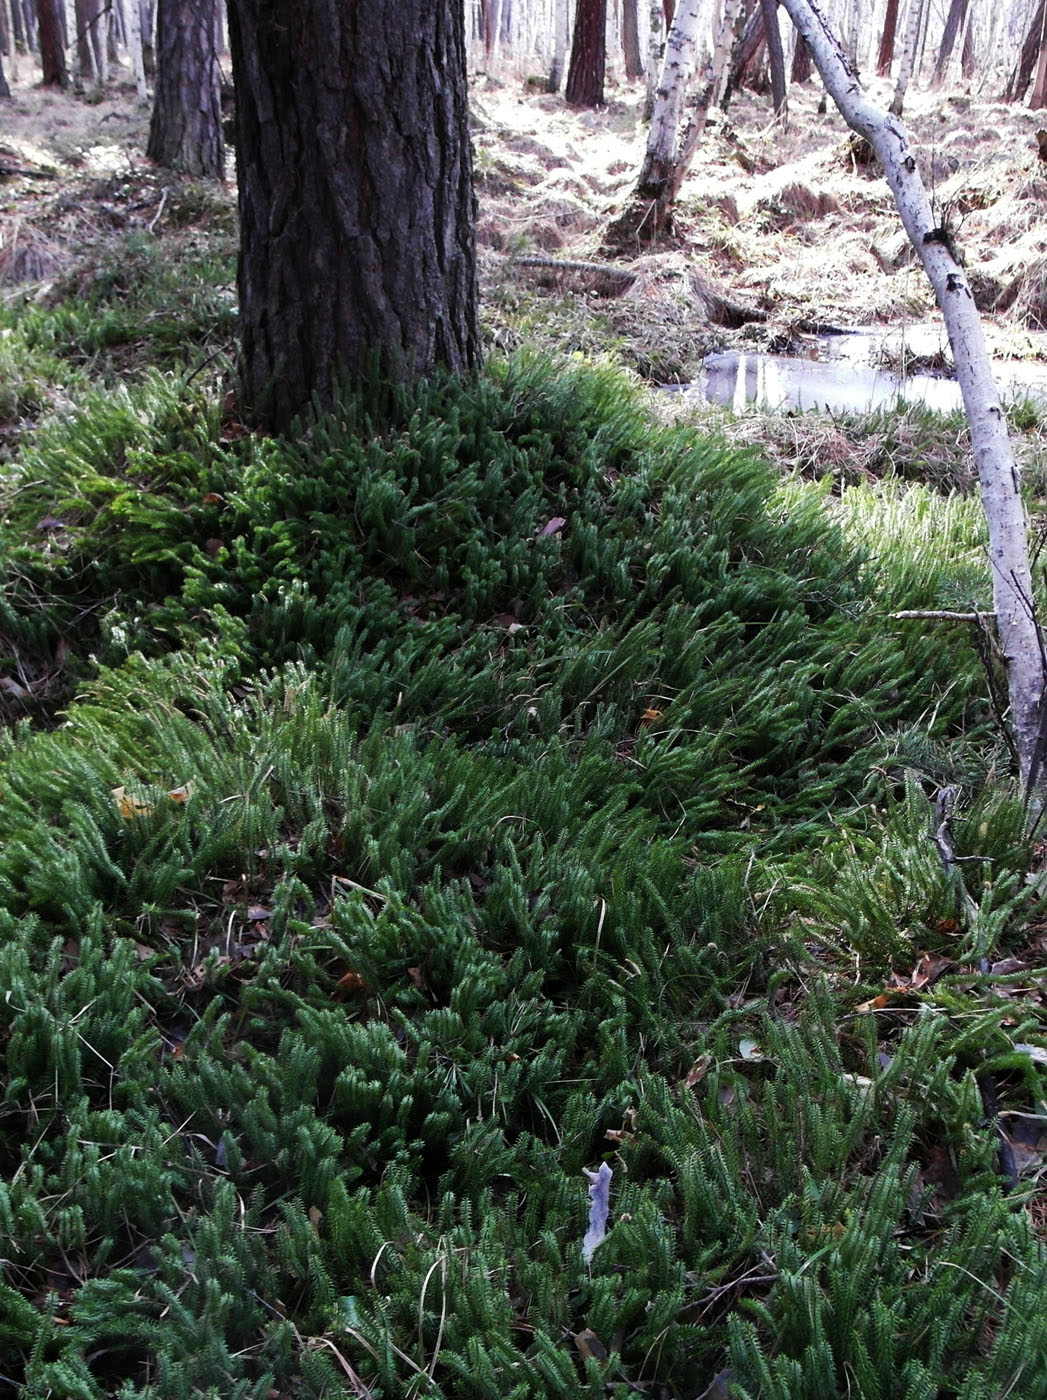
134 48
1019 81
52 44
800 71
492 32
655 55
745 60
185 132
669 153
588 53
631 39
357 242
87 13
775 59
955 18
912 33
561 38
1017 628
5 91
886 53
967 46
1039 87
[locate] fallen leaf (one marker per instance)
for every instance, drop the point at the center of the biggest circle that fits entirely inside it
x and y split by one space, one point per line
181 794
258 912
1036 1053
589 1345
750 1050
874 1004
352 982
928 969
551 527
130 806
212 499
650 716
698 1071
13 688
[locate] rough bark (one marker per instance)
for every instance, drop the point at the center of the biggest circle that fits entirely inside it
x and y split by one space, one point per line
356 202
185 132
953 22
1019 81
775 59
631 39
886 52
588 55
1016 625
52 44
801 69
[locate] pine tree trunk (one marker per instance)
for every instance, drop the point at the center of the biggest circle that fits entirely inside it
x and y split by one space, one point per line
801 69
886 53
631 39
955 18
52 44
1013 594
1033 42
357 231
185 132
588 53
775 59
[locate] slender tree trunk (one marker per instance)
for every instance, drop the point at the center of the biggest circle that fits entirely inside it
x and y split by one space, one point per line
800 72
631 39
5 90
1033 42
775 59
955 18
1013 595
1039 87
357 231
886 53
677 68
588 53
561 39
52 44
912 33
86 12
655 56
134 47
185 132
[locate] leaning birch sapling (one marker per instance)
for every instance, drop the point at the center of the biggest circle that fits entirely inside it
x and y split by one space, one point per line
1017 628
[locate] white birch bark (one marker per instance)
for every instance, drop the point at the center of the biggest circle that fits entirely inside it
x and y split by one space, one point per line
1017 629
912 33
654 55
668 100
134 44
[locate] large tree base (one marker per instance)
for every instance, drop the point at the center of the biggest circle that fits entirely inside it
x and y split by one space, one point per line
642 223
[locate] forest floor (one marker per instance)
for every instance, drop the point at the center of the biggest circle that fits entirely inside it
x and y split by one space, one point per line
502 784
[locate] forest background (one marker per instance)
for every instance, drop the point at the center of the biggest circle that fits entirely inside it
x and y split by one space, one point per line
519 778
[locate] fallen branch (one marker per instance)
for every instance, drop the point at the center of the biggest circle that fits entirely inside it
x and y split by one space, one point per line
617 274
942 615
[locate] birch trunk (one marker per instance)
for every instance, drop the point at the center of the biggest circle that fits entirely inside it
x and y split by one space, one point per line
655 53
668 103
912 34
561 39
1017 629
134 44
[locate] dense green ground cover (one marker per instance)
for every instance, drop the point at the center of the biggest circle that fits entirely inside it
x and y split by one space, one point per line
397 823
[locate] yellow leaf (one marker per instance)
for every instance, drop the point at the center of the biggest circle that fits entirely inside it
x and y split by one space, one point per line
130 806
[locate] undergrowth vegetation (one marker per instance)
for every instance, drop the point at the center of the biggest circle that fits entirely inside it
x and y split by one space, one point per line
401 822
